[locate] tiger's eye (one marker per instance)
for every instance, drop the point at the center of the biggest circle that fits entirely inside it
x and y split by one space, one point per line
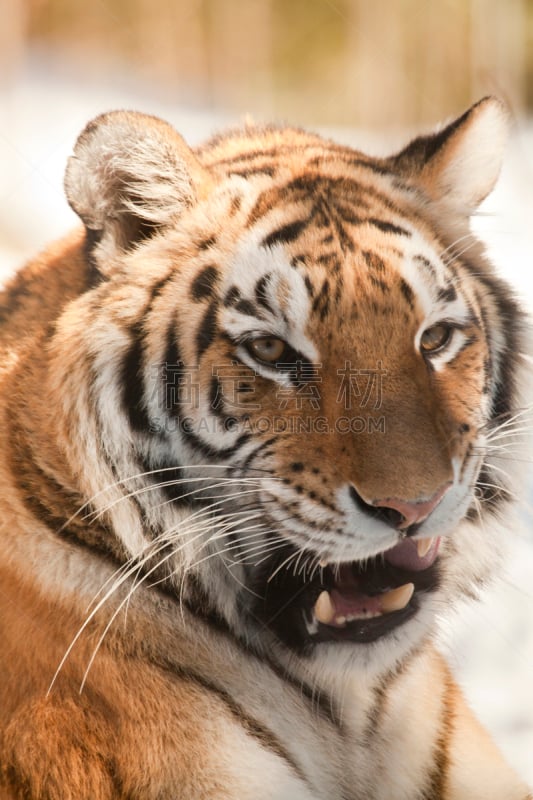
267 348
435 337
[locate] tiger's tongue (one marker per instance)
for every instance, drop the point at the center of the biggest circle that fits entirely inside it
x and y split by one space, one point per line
406 555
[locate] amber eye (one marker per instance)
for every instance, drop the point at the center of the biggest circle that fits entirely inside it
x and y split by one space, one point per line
267 348
435 337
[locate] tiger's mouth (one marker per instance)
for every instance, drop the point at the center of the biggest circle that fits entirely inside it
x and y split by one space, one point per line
358 601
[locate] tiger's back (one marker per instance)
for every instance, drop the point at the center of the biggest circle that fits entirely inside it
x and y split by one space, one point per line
246 422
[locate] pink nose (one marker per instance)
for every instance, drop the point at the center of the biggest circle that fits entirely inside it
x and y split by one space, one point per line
415 511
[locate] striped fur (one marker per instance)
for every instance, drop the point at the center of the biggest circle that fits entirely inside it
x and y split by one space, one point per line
174 503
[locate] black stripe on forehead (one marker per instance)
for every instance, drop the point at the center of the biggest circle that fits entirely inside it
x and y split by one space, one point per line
447 294
338 205
388 227
343 189
247 308
323 192
250 172
287 233
261 294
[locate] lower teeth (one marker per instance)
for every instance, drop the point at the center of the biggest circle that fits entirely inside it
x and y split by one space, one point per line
393 600
363 615
341 621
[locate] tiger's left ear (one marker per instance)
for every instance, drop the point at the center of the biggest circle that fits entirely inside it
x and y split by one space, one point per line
131 175
459 165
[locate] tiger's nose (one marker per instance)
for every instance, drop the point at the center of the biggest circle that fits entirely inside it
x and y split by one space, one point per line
401 514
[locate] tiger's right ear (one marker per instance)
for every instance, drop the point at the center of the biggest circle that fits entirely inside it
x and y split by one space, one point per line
131 174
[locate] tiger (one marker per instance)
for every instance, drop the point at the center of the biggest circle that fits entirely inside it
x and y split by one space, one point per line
250 415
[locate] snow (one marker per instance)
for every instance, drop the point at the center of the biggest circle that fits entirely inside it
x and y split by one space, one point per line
489 644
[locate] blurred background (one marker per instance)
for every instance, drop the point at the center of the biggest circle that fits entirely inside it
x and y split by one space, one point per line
349 62
370 73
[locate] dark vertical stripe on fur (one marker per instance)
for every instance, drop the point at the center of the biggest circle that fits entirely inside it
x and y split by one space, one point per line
504 389
132 382
207 330
382 692
203 285
261 295
174 369
158 287
436 789
216 398
173 357
321 301
92 239
407 293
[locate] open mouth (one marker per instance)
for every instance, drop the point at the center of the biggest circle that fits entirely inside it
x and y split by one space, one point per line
357 601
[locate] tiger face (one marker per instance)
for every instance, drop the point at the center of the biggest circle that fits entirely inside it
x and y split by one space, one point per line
298 358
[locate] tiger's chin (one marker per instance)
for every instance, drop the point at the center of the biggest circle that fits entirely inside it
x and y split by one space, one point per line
351 602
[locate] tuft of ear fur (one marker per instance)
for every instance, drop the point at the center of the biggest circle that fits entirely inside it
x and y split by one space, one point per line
458 166
131 174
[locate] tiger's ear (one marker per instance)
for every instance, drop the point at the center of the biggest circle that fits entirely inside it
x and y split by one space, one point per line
459 165
130 175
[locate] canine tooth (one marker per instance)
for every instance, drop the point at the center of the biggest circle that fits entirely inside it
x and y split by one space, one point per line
323 563
324 608
398 598
423 547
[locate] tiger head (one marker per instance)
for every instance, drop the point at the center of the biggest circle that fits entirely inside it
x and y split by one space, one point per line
286 375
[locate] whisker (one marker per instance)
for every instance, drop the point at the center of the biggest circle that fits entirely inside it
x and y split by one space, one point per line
283 563
158 471
456 256
193 517
164 484
125 600
455 243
